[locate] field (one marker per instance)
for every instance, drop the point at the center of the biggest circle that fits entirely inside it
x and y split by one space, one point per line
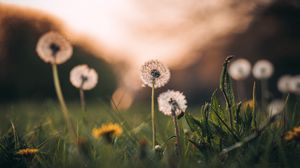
219 133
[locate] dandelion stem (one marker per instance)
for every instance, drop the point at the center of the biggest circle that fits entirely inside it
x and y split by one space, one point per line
177 145
82 100
254 106
153 116
61 100
241 93
264 93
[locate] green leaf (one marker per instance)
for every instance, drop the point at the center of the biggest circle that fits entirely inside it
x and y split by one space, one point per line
194 124
226 84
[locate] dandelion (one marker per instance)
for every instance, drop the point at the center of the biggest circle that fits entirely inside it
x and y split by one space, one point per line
169 100
284 84
295 85
276 107
289 135
83 78
292 134
263 69
27 151
154 74
108 131
248 104
173 103
240 69
55 49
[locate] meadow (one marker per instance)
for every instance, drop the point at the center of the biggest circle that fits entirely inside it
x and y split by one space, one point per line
224 132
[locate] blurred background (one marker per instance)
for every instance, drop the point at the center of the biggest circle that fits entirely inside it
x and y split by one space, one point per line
115 37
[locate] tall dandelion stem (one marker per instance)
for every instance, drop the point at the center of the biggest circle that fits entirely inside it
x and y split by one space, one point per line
177 144
61 100
153 119
82 100
155 75
264 94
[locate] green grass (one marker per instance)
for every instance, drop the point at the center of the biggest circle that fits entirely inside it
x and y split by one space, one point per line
219 133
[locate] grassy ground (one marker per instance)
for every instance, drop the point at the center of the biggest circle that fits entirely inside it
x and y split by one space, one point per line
220 133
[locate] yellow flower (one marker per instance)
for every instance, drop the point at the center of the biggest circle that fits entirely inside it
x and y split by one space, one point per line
297 129
293 134
289 135
110 129
27 151
248 103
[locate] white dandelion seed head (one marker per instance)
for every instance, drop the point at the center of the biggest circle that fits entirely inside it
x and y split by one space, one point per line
54 48
83 77
239 69
295 85
263 69
154 70
276 107
284 84
172 100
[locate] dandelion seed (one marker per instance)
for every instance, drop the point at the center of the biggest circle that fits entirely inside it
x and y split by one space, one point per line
169 100
83 77
276 107
240 69
284 84
295 85
108 131
263 69
155 71
27 151
54 48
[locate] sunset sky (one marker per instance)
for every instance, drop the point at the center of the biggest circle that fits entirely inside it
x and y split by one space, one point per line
171 30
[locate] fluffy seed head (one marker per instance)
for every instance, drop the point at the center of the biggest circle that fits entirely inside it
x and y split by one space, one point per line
295 84
83 77
54 48
172 100
155 71
240 69
284 84
276 107
263 69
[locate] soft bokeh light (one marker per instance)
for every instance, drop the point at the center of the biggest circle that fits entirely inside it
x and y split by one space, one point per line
169 30
190 37
121 99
